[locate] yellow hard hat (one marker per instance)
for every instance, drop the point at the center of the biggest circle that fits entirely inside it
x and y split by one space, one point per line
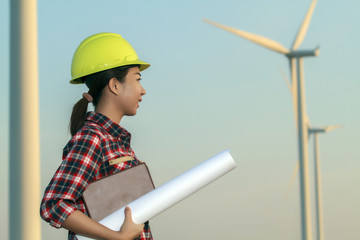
100 52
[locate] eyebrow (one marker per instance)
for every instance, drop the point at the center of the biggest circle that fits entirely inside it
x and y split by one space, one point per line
138 74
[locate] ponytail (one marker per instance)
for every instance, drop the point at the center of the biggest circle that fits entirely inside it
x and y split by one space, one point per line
78 115
96 82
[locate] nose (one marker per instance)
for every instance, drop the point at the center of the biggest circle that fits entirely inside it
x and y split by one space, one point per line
143 91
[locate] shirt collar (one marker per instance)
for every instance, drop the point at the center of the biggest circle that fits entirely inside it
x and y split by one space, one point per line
113 128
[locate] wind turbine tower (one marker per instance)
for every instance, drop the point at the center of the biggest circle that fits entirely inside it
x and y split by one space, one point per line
318 191
295 58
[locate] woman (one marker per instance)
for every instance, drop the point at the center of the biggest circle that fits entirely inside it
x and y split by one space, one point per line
110 68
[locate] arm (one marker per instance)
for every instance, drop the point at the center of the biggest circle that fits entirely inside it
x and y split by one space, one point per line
81 160
83 225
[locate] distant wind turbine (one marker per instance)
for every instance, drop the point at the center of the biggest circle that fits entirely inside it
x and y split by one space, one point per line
318 190
317 173
295 57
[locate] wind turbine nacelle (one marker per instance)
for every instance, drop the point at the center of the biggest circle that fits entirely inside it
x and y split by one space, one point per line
303 53
323 129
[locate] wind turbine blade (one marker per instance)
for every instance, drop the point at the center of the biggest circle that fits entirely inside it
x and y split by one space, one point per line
262 41
294 87
307 121
292 180
288 84
330 128
304 27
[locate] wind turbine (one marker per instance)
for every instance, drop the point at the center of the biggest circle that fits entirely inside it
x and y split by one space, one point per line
295 57
318 191
317 174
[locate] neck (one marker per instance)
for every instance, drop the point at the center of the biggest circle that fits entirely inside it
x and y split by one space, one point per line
110 112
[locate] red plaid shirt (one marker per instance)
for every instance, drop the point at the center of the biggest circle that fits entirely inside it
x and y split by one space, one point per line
86 159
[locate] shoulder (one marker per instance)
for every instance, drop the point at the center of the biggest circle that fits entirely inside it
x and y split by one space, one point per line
89 136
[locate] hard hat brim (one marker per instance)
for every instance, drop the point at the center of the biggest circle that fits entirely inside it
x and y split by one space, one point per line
143 66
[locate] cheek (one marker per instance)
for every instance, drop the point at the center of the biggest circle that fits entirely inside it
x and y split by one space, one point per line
130 95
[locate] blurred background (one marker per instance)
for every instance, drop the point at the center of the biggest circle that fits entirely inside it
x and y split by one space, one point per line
207 91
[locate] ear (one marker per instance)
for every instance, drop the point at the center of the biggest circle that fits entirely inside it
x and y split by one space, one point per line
113 86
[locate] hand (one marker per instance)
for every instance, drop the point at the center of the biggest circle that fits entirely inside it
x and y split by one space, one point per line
129 228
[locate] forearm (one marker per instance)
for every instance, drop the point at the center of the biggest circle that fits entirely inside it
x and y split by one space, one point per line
81 224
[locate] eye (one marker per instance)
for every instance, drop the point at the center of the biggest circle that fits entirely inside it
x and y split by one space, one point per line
139 79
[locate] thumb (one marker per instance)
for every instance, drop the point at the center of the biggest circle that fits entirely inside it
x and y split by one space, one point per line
127 212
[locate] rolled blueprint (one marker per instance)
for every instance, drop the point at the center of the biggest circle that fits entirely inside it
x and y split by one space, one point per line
172 192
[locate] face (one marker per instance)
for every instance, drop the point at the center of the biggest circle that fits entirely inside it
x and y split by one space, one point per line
130 92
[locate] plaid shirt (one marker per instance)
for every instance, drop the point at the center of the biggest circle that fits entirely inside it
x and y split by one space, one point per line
85 159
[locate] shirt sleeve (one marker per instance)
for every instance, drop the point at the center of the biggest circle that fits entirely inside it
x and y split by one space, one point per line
78 168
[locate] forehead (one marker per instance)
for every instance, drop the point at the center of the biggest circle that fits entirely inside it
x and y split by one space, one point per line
134 71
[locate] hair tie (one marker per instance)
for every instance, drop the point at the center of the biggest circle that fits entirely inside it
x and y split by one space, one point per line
87 96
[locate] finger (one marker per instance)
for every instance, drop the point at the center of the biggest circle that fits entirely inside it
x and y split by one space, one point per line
127 213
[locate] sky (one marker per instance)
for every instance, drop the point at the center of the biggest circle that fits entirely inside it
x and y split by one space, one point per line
207 91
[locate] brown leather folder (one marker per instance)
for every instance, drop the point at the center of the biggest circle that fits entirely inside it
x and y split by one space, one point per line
106 195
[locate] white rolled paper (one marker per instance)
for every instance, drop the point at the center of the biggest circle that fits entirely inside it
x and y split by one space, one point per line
172 192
